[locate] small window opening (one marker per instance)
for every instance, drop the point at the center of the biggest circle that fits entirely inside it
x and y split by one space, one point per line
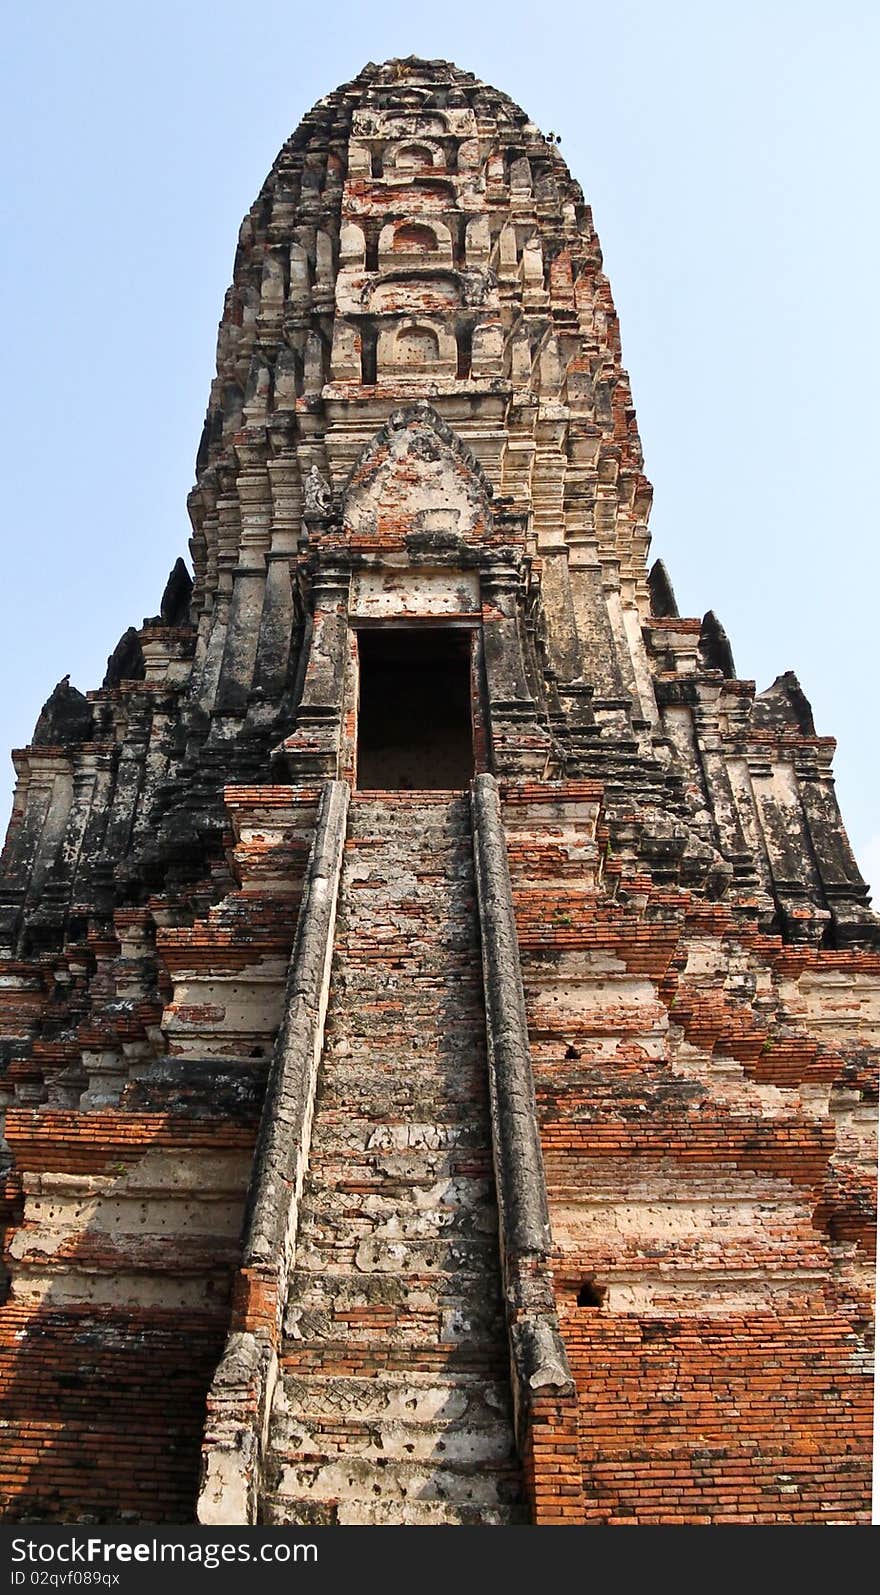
414 718
465 339
457 227
375 163
590 1294
368 352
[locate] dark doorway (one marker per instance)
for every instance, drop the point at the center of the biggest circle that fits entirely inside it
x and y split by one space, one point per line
414 721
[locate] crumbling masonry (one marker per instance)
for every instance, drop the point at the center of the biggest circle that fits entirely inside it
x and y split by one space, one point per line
438 994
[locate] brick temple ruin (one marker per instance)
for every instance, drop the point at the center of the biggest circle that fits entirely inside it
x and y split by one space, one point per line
438 994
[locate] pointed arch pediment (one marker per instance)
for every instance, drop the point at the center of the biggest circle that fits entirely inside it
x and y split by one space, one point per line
416 478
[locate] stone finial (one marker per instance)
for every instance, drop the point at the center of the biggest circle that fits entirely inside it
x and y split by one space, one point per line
660 588
784 707
126 663
174 608
715 649
65 718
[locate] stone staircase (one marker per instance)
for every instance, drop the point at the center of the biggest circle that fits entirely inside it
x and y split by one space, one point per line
393 1403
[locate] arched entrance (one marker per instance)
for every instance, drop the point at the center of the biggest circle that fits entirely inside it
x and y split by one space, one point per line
415 721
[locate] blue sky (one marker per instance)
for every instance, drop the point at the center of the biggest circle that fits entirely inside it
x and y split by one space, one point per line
729 152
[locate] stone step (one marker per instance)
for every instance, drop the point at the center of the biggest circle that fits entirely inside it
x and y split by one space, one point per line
424 857
404 809
432 903
385 888
451 1205
429 1513
396 1271
397 1021
297 1440
338 1130
424 846
388 886
370 1138
431 929
363 1194
434 897
444 1203
425 1054
332 1284
427 851
395 1134
334 1297
409 943
380 1030
401 946
404 991
413 934
459 1114
402 951
375 1186
410 1397
386 1032
425 947
320 1268
408 1086
415 1360
393 885
444 1267
434 1099
386 971
410 1329
376 1169
411 873
365 1479
414 1514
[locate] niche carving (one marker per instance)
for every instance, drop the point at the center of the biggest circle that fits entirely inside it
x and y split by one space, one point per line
419 242
414 157
414 348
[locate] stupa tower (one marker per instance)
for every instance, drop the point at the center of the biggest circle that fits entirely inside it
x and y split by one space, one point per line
438 994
